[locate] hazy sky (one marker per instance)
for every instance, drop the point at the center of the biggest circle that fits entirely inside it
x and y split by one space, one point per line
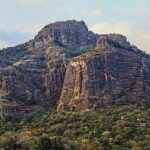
21 19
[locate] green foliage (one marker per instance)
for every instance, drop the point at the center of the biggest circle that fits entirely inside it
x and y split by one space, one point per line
46 143
115 128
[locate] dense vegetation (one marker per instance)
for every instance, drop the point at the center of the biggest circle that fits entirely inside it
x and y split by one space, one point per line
115 128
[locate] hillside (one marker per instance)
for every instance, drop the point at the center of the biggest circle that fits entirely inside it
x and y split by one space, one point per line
71 89
68 65
33 73
115 128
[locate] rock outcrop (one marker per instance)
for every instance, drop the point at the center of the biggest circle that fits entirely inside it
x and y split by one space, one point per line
113 73
72 35
34 72
68 64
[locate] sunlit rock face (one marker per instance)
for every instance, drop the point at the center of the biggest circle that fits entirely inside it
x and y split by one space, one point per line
33 73
115 72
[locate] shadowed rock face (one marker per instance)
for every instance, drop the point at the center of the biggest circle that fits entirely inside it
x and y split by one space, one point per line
115 72
34 72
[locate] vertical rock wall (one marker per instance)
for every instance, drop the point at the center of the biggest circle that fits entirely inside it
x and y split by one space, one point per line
102 77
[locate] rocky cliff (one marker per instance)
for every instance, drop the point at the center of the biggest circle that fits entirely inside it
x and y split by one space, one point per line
115 72
34 72
63 65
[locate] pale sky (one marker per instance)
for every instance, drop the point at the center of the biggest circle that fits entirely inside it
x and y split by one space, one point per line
22 19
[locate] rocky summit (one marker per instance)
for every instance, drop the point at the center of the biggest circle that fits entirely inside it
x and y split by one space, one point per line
68 65
33 73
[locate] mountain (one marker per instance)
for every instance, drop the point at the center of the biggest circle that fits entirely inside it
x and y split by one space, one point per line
33 72
68 65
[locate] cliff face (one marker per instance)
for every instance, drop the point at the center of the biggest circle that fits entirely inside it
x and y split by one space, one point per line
63 65
115 72
71 34
34 72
